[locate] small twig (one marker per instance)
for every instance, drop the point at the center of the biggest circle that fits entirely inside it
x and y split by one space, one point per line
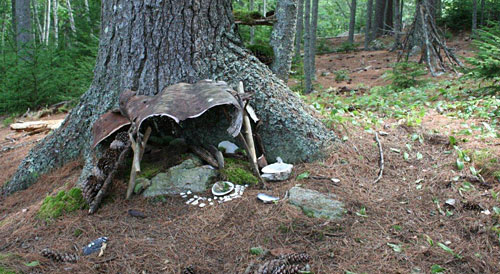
381 163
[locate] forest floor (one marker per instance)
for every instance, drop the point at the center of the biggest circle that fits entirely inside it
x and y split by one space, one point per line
405 223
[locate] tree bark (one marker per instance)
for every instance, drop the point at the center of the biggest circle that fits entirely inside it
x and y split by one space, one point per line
368 28
252 28
397 25
23 24
71 18
474 16
307 47
352 22
46 27
14 25
149 45
314 29
481 21
37 21
56 21
282 37
378 24
300 27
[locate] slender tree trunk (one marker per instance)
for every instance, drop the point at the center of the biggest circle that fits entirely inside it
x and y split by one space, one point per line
282 37
4 24
23 24
87 10
474 16
70 15
300 27
352 21
397 26
368 28
14 24
252 28
56 22
46 26
265 7
307 47
149 46
38 29
481 21
314 28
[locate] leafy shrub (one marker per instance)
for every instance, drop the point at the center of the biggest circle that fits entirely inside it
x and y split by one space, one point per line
487 60
341 75
64 202
405 75
347 47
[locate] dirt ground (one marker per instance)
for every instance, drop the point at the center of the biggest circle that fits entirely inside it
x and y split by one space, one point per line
404 221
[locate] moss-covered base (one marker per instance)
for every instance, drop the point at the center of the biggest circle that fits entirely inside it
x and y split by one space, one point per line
64 202
237 172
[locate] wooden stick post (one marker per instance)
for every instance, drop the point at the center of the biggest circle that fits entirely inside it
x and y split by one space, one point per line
138 147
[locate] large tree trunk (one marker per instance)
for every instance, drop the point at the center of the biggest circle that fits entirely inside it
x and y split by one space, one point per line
282 37
23 24
378 24
368 28
147 46
352 21
300 27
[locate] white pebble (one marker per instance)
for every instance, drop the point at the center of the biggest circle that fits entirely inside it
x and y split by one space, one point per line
246 185
202 205
215 198
196 196
211 203
221 201
195 202
189 192
183 194
209 199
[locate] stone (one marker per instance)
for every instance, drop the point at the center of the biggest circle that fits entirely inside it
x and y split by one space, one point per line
189 176
141 184
316 204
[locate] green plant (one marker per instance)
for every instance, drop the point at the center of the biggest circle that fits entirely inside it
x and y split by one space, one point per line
347 47
486 63
64 202
406 74
237 172
341 75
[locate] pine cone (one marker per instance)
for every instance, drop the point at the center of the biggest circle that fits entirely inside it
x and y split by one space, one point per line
59 257
270 266
296 258
106 164
122 137
90 188
287 269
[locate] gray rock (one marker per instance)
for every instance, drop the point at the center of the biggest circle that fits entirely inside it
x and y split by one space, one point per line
316 204
189 175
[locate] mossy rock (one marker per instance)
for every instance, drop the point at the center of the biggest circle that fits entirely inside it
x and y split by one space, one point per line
238 172
64 202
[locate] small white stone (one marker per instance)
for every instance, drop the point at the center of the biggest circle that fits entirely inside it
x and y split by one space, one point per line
183 194
202 205
220 201
195 202
203 198
196 196
211 203
228 199
246 185
209 199
216 198
189 192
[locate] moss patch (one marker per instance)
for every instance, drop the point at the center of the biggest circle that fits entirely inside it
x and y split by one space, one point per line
247 17
149 170
64 202
238 172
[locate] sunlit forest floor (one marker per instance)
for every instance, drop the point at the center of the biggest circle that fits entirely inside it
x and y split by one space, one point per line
430 213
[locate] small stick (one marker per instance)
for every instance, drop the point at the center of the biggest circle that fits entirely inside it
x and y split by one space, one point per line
97 200
248 128
381 163
254 164
138 148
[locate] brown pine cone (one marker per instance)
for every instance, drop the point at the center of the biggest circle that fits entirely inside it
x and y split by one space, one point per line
90 188
296 258
270 266
58 256
122 137
287 269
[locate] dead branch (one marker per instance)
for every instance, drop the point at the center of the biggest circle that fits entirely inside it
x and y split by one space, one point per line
204 155
381 162
138 147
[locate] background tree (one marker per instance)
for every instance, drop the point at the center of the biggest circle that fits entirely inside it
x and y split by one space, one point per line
300 27
474 16
282 37
307 47
368 27
352 22
23 25
166 43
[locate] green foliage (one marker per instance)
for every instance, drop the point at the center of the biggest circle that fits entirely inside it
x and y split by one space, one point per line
246 16
457 15
238 172
406 74
264 52
64 202
487 60
341 75
347 47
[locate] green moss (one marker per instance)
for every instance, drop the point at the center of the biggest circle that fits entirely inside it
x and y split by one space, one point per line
64 202
263 52
149 170
238 172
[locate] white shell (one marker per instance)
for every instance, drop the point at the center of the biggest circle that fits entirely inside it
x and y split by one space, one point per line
184 196
211 203
229 147
182 193
266 198
277 171
209 199
195 202
189 192
202 205
196 196
217 193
